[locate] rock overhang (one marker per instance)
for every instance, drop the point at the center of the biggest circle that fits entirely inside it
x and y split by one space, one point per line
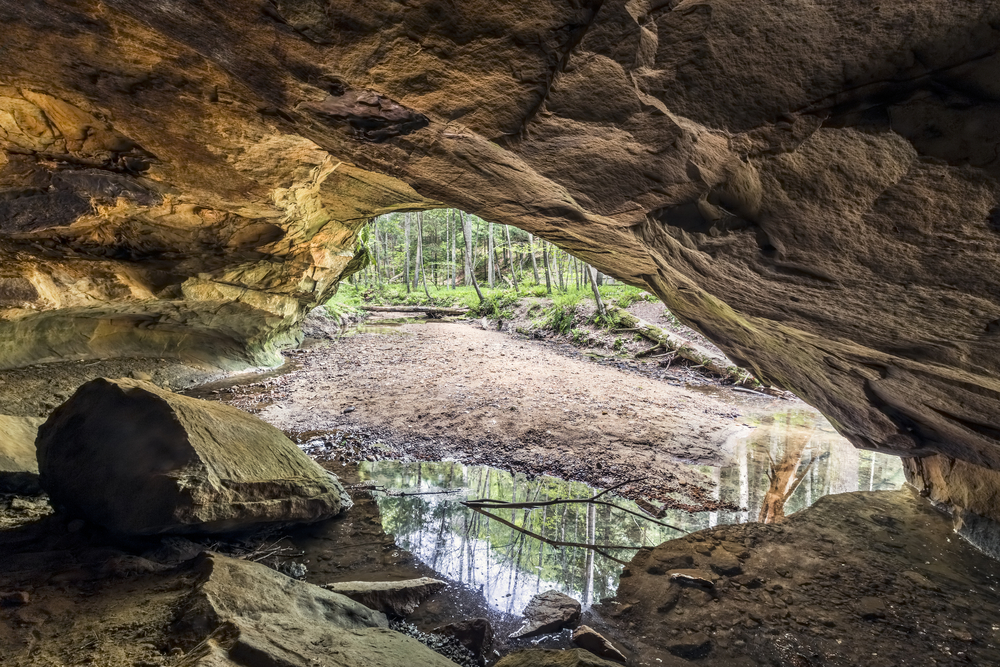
813 187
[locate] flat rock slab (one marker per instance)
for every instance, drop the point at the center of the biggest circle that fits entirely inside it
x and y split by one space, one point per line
549 612
18 463
590 640
243 614
141 460
535 657
475 634
389 597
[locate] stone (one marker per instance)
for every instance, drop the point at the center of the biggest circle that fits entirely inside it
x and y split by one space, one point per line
725 563
140 460
389 597
694 646
590 640
141 375
871 608
550 658
243 614
548 612
921 580
18 464
475 634
14 599
694 578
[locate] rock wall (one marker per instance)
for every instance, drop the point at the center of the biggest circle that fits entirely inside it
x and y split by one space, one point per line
811 185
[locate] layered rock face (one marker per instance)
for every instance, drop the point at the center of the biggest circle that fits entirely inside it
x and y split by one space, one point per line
812 185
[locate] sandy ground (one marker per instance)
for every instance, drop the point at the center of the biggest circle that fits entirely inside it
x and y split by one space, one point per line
435 390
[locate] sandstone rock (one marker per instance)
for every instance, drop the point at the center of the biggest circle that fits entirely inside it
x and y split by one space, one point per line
549 658
18 465
788 178
475 634
389 597
590 640
245 614
547 612
138 459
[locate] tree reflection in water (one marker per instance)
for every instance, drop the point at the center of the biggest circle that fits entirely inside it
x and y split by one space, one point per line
784 465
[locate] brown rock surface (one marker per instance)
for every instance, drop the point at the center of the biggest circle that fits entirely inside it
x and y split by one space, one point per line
813 186
18 465
396 597
548 612
245 614
858 578
589 639
138 459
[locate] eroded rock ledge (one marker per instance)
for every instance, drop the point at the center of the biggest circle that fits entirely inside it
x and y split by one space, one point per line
813 186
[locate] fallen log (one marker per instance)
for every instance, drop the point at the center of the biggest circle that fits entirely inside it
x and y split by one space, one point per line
681 347
439 310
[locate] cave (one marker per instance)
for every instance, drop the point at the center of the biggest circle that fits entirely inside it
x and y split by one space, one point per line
814 187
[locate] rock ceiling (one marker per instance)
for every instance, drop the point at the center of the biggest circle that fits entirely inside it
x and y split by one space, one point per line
812 184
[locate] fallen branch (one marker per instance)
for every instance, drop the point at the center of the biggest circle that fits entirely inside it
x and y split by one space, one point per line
558 543
683 347
489 503
416 309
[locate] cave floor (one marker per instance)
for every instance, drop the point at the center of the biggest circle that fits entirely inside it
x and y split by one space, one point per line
856 579
433 390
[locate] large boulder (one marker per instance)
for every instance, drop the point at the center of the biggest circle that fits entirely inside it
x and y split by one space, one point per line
138 459
548 612
18 466
247 615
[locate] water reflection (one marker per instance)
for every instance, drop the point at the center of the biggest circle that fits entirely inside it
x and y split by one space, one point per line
785 464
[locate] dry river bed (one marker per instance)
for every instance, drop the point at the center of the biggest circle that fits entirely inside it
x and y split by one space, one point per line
433 390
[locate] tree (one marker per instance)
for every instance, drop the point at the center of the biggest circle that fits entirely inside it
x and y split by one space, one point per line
548 273
534 262
467 233
420 252
406 251
601 310
489 255
470 270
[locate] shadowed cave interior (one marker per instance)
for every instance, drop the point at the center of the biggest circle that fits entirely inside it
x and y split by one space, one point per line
297 294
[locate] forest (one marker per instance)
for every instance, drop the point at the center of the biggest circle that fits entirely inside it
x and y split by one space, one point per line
448 248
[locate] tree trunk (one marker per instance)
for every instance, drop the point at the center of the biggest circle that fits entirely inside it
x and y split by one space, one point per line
601 310
548 271
454 233
684 348
419 259
467 233
470 268
534 262
510 254
420 252
406 250
559 268
489 255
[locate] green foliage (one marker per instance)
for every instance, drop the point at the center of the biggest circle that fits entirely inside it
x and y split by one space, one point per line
618 345
497 304
624 296
581 337
561 317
